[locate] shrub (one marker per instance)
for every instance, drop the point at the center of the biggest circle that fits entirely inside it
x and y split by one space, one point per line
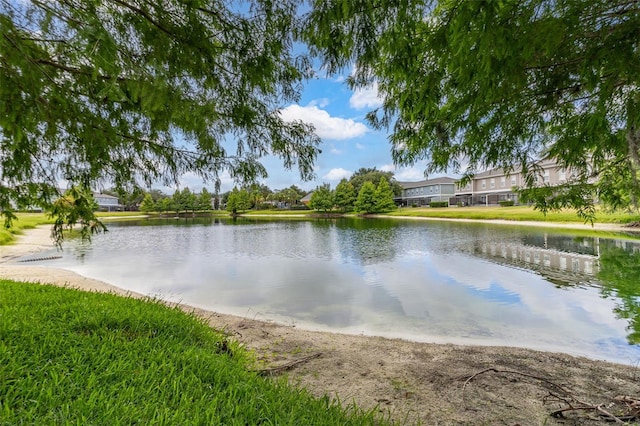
299 207
265 206
506 203
439 204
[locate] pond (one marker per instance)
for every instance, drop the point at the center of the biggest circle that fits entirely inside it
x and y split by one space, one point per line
426 281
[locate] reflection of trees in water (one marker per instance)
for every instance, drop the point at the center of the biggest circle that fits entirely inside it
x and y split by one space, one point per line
368 241
620 278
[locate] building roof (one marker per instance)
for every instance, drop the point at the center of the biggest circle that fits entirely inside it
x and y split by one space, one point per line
101 195
306 198
427 182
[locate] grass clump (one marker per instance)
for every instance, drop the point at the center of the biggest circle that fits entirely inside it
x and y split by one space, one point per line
73 357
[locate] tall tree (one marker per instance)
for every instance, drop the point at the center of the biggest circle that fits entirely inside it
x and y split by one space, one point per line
384 197
322 198
134 92
344 196
472 85
374 176
204 200
238 200
366 201
147 205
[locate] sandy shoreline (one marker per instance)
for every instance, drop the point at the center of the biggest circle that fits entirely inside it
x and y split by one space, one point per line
411 382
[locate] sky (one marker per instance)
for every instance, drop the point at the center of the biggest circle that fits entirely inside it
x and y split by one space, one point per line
348 142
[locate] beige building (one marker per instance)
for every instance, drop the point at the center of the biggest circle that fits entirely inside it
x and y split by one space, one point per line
486 188
493 186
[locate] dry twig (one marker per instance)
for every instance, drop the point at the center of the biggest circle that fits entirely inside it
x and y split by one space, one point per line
563 395
286 367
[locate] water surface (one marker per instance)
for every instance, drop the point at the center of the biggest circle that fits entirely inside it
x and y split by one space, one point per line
424 281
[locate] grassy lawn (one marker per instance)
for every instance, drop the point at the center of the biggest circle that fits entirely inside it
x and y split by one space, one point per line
512 213
73 357
24 221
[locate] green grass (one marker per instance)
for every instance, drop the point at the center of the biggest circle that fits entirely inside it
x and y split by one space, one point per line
73 357
516 213
24 221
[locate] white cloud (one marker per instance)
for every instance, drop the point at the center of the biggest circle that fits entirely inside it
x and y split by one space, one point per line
388 168
367 97
327 127
335 151
337 174
322 102
409 174
359 146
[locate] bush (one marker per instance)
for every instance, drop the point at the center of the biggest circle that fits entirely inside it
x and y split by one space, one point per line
265 206
439 204
299 207
506 203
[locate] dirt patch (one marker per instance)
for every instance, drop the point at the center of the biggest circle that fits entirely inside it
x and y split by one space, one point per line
412 383
418 383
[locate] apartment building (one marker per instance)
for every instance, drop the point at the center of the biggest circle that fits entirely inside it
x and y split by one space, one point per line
492 186
107 202
423 192
486 188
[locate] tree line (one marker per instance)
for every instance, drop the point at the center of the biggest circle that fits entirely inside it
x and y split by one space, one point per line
254 196
344 198
374 188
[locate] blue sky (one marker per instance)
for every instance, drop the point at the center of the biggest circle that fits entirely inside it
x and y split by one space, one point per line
348 142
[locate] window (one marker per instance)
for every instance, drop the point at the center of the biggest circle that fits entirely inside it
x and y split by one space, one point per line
513 181
436 189
562 174
492 183
484 183
503 182
546 176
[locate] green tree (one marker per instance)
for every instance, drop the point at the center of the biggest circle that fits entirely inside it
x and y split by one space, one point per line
258 194
322 198
184 200
366 201
344 196
204 200
485 84
238 200
147 205
291 195
165 205
75 207
384 197
139 92
374 176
